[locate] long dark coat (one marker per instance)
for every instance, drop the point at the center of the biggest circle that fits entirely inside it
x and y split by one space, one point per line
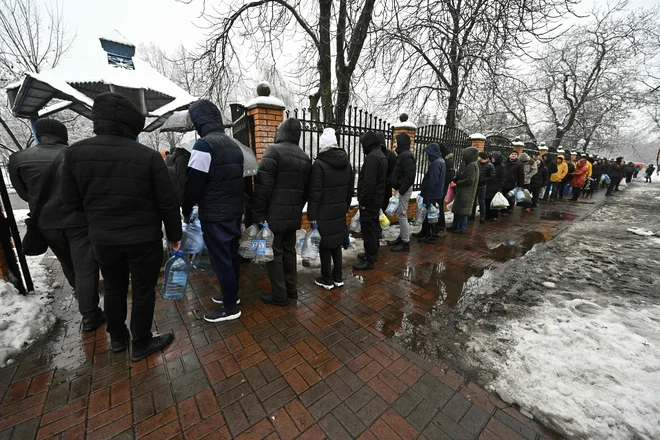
466 183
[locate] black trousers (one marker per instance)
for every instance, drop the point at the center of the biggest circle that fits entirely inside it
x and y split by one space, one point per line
142 262
370 229
222 240
282 271
614 184
491 214
481 200
76 255
576 193
328 258
536 192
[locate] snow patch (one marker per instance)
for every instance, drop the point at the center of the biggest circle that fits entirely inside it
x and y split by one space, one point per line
641 232
549 285
20 215
25 319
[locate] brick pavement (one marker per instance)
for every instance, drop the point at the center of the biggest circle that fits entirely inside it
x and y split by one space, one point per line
326 366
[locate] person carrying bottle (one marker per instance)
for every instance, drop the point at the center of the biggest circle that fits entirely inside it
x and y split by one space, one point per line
280 193
467 181
514 178
215 183
649 173
330 192
371 190
127 194
433 192
402 181
63 227
495 185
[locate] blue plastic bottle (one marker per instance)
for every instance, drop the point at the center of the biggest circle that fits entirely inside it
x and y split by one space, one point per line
177 270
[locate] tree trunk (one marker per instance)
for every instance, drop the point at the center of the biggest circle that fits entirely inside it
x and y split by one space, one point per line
324 64
10 133
559 136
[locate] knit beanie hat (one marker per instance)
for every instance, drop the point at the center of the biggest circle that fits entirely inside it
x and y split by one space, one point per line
328 138
483 155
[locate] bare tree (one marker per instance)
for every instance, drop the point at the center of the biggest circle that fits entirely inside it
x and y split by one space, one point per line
30 41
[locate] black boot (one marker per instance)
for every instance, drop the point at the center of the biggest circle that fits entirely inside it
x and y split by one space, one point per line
402 246
269 299
120 343
364 265
157 344
394 242
362 256
91 323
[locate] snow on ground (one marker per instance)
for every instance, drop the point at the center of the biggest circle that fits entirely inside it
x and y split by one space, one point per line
25 319
582 357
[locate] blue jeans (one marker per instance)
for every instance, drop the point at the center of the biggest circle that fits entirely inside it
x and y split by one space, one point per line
222 239
460 222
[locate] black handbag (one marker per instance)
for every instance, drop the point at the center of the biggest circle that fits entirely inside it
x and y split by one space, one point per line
34 242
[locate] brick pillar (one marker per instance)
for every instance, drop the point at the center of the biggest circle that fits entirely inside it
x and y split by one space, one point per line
268 113
404 126
542 148
518 145
478 141
4 268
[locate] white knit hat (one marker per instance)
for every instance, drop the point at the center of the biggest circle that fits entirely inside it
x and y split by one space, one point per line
328 138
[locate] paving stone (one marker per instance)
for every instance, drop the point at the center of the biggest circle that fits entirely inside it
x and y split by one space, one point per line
334 429
474 419
456 407
324 405
407 403
349 420
372 410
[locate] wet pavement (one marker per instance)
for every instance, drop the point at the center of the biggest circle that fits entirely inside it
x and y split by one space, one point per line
338 364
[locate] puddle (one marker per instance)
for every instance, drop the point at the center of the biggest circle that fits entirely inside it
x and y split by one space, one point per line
557 216
515 247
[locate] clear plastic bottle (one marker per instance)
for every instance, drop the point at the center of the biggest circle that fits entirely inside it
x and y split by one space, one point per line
192 241
300 240
202 262
421 214
263 245
433 213
245 245
392 205
311 244
177 270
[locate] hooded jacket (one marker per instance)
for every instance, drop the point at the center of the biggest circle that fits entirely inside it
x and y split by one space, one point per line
496 183
123 186
529 166
390 156
466 183
282 181
579 176
650 170
403 176
486 173
373 173
515 174
541 178
562 171
448 156
215 168
29 168
433 188
615 170
597 170
178 161
331 187
550 164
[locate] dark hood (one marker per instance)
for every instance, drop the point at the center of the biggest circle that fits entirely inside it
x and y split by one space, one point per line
116 115
444 150
402 143
498 158
206 117
50 131
470 154
381 139
335 157
369 141
433 151
288 131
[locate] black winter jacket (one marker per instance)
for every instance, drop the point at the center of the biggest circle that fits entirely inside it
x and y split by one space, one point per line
541 178
450 172
403 176
597 170
515 174
179 161
569 176
122 185
615 170
551 165
486 173
30 167
215 169
330 191
497 182
371 180
282 180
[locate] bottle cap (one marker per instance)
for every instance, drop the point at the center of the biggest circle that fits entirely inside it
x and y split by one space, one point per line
315 226
265 224
179 253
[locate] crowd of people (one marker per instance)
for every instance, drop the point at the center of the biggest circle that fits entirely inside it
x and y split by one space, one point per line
102 204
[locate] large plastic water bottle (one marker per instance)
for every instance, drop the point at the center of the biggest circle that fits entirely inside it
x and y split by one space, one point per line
421 214
300 240
263 245
392 205
311 244
433 213
177 270
202 262
245 245
192 241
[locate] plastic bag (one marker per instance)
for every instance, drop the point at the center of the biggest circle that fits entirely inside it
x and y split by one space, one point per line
499 202
433 213
623 183
201 262
245 245
421 214
511 194
520 196
311 244
355 223
451 194
528 196
384 221
393 205
263 245
542 192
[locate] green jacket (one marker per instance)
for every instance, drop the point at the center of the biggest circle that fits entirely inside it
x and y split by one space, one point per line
466 183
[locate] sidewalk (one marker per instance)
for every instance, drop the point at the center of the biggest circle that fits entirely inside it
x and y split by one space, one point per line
325 366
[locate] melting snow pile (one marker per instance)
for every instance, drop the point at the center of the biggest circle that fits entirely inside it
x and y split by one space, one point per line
641 232
24 319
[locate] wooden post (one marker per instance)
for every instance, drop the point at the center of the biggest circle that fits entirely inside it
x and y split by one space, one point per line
268 113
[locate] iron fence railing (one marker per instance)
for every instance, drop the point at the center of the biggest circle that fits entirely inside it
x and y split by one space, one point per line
455 139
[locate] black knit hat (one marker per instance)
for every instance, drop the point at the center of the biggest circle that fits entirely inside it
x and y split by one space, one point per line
369 140
483 155
51 127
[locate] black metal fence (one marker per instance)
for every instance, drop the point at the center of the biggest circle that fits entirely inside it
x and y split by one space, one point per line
455 139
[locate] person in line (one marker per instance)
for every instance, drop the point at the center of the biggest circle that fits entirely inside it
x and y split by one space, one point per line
495 185
551 166
402 181
466 189
530 169
177 164
390 155
127 194
649 173
450 172
578 179
63 227
280 193
638 168
629 171
557 177
597 171
486 174
616 173
432 191
215 183
538 181
371 188
568 159
515 178
330 192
